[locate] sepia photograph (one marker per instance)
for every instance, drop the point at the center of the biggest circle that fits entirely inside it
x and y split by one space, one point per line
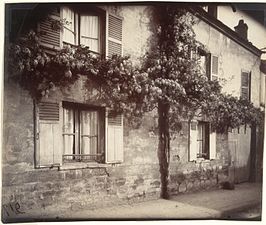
133 111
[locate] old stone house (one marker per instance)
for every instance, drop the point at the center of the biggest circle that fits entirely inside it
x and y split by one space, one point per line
69 152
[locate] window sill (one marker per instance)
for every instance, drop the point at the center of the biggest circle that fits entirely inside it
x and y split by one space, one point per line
202 160
81 165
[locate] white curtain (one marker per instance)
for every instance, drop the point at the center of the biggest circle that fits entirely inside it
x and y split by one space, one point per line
89 32
89 132
69 131
69 26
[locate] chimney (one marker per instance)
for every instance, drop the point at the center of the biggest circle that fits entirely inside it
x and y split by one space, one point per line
242 29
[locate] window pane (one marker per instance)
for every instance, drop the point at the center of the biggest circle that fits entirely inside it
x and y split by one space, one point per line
69 26
89 132
89 32
68 130
200 137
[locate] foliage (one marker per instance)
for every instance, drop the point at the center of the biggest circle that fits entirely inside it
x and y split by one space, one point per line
170 74
122 88
170 79
228 112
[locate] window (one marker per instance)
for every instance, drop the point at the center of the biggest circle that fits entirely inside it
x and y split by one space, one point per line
245 85
83 28
70 27
83 133
70 132
203 59
202 142
96 28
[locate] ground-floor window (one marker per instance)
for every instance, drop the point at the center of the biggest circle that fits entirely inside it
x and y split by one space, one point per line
202 142
83 129
72 132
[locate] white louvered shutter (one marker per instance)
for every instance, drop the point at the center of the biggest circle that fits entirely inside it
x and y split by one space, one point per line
214 67
48 134
114 40
213 145
193 147
50 37
114 151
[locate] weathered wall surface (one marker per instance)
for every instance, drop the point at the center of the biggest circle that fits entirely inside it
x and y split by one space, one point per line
138 177
233 58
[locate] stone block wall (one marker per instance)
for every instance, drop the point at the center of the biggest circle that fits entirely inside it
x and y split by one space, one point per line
136 179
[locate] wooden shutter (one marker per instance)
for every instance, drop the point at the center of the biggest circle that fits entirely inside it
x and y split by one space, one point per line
114 40
50 37
114 151
193 144
213 145
208 65
48 134
245 84
214 67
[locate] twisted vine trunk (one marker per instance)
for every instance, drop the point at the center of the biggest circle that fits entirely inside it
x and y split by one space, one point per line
164 147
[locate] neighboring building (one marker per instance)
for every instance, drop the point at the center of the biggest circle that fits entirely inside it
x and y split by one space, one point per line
67 151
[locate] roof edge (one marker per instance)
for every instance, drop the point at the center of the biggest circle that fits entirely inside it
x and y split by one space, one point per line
218 25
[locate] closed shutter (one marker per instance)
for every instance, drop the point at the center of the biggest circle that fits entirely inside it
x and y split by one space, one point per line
213 145
114 151
193 144
49 36
214 67
208 65
245 85
48 134
114 40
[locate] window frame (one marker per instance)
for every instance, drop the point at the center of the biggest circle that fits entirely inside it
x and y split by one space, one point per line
205 140
78 12
78 108
193 144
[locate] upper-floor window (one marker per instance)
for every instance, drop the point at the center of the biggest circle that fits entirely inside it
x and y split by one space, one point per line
245 84
208 64
83 28
85 25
